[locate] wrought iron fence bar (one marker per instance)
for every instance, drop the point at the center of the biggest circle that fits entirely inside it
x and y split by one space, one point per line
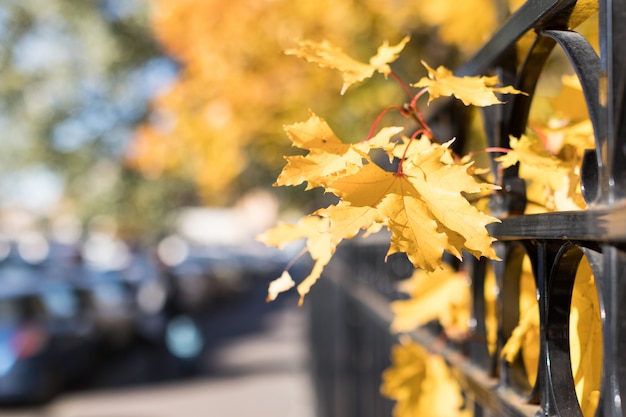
601 225
485 390
530 15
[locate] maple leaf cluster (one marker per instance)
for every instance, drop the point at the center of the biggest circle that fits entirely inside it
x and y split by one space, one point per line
423 203
424 206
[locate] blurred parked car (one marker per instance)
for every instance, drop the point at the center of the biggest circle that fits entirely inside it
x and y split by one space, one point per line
111 301
205 272
46 340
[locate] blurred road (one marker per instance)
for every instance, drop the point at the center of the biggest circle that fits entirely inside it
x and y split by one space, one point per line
255 363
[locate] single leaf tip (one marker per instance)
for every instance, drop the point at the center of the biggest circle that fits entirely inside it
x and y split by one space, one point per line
279 285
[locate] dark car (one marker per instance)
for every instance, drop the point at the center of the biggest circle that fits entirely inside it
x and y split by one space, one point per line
46 340
111 301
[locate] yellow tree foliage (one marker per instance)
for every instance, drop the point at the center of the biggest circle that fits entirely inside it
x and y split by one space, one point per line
237 87
453 26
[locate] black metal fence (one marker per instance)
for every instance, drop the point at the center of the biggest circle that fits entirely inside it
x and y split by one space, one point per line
350 315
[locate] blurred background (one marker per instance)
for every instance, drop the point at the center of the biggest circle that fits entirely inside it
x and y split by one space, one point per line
140 139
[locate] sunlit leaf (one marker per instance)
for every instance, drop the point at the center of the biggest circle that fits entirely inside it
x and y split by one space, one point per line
327 55
477 91
422 384
585 339
524 339
279 285
319 243
442 295
553 181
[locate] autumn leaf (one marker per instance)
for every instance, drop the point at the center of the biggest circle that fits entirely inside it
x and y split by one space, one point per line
444 186
319 243
524 339
284 233
477 91
442 295
585 339
491 309
421 384
553 181
328 158
425 205
327 55
570 102
279 285
346 220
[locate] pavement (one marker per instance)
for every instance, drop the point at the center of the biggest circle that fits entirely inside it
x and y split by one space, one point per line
261 373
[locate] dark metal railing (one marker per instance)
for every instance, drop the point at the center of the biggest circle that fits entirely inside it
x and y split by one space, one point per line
349 309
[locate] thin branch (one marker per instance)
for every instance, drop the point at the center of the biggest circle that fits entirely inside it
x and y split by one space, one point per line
404 85
379 117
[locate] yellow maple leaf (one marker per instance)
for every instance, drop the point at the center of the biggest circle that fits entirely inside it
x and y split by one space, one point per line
477 91
411 148
414 231
585 339
319 243
421 383
347 220
328 157
279 285
442 295
382 140
553 181
524 339
491 309
284 232
570 102
316 169
425 205
315 134
442 185
327 55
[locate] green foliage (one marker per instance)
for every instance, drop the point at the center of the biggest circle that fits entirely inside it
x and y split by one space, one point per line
76 78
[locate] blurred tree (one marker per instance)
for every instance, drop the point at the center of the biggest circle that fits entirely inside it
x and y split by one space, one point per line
75 77
221 123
